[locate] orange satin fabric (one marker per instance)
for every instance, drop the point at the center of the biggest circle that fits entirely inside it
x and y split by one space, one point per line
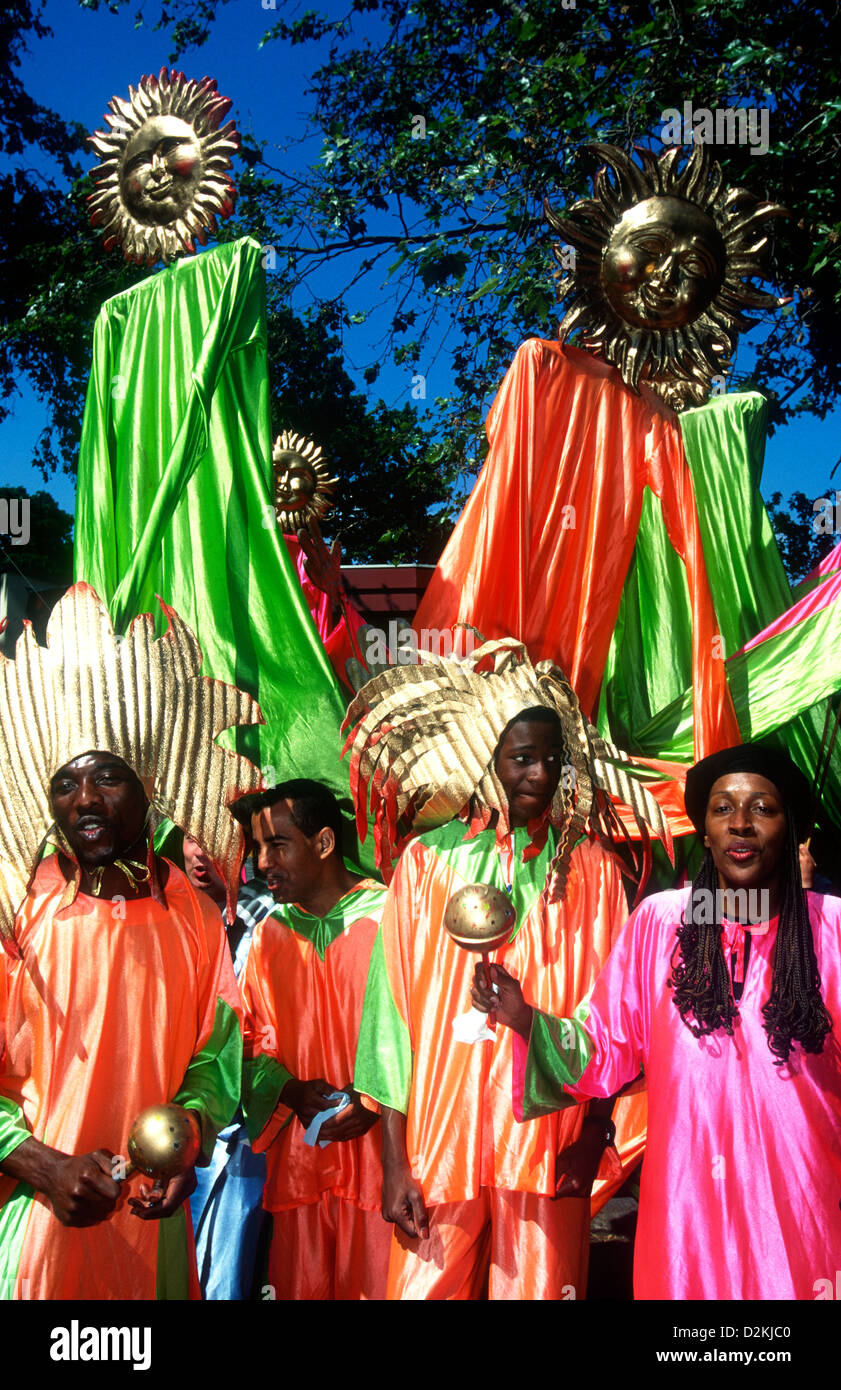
630 1115
102 1017
461 1132
330 1249
304 1012
508 1245
543 545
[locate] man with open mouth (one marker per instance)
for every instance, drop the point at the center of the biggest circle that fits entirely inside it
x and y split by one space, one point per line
116 986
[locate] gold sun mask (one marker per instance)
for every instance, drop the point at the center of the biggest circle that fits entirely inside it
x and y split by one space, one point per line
303 486
663 259
163 178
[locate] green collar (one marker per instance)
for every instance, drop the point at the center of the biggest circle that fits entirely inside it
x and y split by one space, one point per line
478 860
321 931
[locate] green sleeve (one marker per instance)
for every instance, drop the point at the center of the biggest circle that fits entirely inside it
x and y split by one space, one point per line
211 1084
13 1127
384 1052
263 1079
559 1050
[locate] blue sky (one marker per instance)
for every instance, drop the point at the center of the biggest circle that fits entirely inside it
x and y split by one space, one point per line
93 55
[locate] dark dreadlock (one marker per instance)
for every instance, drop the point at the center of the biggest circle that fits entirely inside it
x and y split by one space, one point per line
795 1011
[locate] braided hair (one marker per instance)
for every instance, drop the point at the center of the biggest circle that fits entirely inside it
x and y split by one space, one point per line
700 980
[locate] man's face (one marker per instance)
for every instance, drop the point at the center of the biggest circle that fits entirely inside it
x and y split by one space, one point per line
291 862
745 829
198 866
528 765
99 805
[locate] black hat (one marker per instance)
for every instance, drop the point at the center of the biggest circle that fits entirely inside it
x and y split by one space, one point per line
776 767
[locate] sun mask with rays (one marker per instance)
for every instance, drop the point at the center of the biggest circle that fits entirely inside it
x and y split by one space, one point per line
303 486
163 177
663 257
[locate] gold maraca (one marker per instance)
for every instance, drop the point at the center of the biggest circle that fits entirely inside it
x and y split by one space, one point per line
480 918
163 1142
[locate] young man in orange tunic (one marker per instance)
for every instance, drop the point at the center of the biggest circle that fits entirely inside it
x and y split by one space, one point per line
469 1190
303 990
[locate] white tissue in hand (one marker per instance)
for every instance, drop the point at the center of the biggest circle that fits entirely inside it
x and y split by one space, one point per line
472 1027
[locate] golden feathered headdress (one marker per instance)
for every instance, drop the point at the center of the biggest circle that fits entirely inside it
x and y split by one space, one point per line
138 696
423 738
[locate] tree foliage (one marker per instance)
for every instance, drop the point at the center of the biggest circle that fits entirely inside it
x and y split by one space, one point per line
52 276
444 131
58 278
46 554
801 530
442 127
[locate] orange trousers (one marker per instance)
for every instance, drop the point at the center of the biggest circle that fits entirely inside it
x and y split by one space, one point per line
329 1249
501 1245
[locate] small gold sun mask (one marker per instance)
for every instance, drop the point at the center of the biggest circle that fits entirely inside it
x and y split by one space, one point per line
303 487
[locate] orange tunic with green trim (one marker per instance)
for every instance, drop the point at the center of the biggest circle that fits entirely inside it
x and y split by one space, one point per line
303 991
461 1134
115 1005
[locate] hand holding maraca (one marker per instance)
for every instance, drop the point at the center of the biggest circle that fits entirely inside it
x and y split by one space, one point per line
164 1143
503 997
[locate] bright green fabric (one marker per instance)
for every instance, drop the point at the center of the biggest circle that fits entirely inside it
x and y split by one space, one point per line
13 1127
14 1216
724 442
779 691
321 931
384 1058
559 1050
644 673
174 498
477 860
771 684
263 1079
172 1272
649 665
211 1084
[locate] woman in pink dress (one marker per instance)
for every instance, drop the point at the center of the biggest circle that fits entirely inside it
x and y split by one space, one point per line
723 994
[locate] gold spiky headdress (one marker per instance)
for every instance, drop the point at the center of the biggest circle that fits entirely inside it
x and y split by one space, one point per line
139 697
423 740
164 177
303 486
637 324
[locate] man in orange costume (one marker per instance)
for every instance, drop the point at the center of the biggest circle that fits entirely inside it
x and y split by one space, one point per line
469 1190
116 989
303 990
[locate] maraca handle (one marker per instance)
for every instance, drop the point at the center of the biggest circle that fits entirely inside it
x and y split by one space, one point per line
486 962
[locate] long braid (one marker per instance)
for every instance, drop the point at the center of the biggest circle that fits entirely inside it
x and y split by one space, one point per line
795 1011
700 978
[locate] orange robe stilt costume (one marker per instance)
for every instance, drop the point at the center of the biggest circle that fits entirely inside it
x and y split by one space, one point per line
463 1143
303 989
543 545
114 1006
